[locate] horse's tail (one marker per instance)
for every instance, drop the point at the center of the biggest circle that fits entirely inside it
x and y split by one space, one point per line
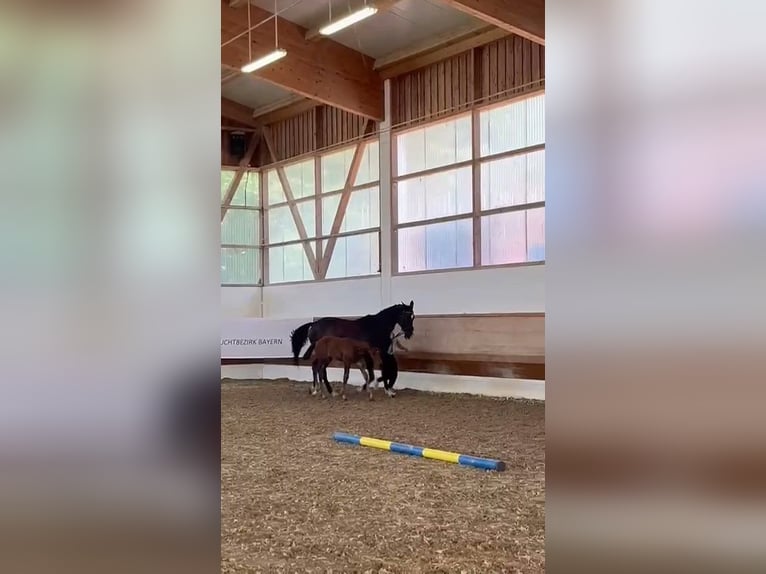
298 339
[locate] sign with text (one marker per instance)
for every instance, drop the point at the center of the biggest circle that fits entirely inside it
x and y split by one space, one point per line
258 338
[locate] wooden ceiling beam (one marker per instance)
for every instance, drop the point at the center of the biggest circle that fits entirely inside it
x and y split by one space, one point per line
326 71
458 45
525 18
237 112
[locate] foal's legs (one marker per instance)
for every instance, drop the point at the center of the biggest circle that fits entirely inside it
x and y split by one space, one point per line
368 371
315 375
324 378
346 368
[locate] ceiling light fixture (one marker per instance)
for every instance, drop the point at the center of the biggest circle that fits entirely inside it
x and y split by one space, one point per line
348 20
269 58
264 61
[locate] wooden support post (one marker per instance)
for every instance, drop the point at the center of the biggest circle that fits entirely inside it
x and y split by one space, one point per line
318 199
291 204
476 180
356 161
478 95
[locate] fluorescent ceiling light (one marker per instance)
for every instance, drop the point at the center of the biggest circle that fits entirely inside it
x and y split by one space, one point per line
347 21
264 61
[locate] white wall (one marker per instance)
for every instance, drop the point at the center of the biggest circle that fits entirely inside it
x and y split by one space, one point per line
502 290
241 302
328 298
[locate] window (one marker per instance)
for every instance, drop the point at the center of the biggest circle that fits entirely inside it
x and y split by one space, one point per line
513 182
459 207
241 229
434 146
310 248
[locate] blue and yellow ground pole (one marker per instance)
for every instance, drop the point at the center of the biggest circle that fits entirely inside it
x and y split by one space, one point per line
443 455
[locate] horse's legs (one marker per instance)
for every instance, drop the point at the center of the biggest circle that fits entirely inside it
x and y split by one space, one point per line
369 372
314 376
346 368
366 377
326 381
391 370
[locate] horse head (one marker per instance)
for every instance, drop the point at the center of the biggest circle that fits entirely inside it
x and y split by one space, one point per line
406 318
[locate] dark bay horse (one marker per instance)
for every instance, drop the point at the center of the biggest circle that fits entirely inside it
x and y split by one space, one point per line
373 329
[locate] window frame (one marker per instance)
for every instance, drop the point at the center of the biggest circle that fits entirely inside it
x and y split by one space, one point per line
476 162
319 237
259 209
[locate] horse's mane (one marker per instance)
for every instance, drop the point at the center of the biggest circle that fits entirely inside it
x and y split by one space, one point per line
384 312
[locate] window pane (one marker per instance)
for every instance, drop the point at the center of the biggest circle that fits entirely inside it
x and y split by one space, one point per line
513 126
369 168
226 176
281 225
363 211
335 167
354 256
289 263
536 176
448 142
536 120
247 193
240 266
445 245
515 237
300 176
536 234
411 152
436 195
240 227
504 238
307 210
276 195
513 180
436 145
329 209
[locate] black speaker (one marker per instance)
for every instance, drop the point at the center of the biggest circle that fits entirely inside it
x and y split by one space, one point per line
237 145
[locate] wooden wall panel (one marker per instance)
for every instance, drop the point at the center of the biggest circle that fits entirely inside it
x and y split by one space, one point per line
511 65
338 126
503 68
294 136
503 345
312 131
435 90
484 337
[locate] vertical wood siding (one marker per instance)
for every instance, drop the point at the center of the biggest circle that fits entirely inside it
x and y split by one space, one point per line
506 67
